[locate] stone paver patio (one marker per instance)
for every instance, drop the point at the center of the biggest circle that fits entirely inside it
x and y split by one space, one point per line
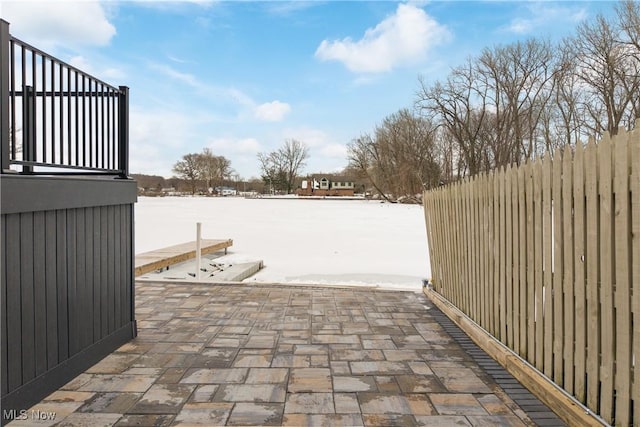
281 355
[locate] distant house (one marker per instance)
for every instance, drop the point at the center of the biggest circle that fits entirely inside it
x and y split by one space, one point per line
325 187
226 191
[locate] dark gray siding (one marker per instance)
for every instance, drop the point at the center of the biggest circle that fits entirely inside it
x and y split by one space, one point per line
66 282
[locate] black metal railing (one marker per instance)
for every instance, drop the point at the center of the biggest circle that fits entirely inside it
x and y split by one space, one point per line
57 119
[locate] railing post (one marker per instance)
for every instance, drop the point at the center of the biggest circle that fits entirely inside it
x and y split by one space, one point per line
5 63
123 132
28 127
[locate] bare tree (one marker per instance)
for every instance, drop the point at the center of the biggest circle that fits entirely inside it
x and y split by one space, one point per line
280 168
400 162
189 169
214 169
607 71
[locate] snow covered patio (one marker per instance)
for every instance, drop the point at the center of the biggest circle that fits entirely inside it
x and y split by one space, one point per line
268 354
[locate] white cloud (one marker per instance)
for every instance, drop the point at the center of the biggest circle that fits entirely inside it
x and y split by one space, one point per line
108 74
404 37
48 24
540 15
230 146
272 111
336 151
311 137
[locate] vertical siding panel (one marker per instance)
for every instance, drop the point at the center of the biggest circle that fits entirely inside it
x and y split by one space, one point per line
558 270
40 293
81 306
607 267
111 267
51 284
14 320
4 343
591 261
97 275
126 264
117 264
580 289
88 336
72 292
538 265
104 278
548 293
568 268
61 280
27 294
623 330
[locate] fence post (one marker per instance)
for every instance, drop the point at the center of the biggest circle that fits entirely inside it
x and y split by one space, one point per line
123 132
5 63
28 127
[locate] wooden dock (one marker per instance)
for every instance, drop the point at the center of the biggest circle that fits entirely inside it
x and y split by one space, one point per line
163 258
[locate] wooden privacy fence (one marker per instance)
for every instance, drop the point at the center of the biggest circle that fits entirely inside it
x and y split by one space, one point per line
546 258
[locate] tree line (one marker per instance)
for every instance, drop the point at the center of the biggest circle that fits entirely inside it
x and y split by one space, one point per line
203 167
507 105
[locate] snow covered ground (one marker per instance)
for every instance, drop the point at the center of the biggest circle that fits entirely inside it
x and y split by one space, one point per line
300 241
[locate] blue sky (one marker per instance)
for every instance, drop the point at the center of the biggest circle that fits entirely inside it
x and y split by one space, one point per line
241 77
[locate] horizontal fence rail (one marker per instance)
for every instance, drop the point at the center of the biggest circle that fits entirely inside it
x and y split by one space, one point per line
56 118
546 258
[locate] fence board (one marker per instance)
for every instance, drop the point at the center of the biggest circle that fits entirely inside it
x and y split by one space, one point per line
580 236
622 281
530 303
509 253
523 239
61 280
592 252
538 265
502 320
635 263
607 326
548 294
515 249
568 267
495 246
558 270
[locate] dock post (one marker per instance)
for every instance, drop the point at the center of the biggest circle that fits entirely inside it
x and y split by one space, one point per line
198 249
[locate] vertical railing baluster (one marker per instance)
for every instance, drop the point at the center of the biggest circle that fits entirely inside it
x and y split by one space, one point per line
61 113
44 108
6 130
12 105
28 127
102 132
53 111
123 131
79 143
69 139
